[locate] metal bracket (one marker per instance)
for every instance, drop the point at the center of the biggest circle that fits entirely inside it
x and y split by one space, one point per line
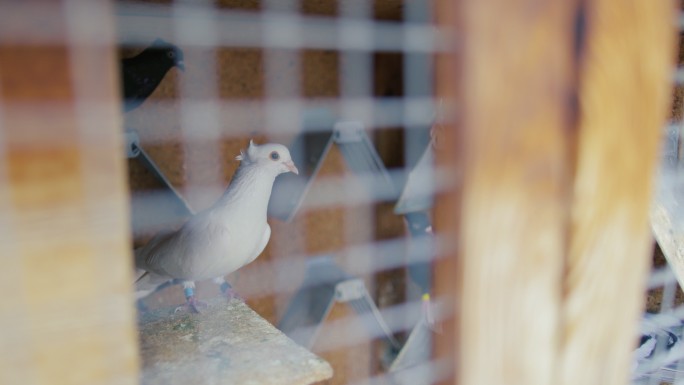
363 159
307 150
155 209
310 148
135 151
324 285
350 290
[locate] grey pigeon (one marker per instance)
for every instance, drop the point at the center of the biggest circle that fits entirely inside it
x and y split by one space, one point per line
223 238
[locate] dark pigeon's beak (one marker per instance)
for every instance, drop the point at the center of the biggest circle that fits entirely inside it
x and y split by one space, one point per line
181 65
291 166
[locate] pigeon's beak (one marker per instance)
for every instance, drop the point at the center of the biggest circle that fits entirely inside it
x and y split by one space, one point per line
291 167
181 66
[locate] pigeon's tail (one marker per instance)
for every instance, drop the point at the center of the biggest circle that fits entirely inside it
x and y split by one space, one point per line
143 286
147 283
140 274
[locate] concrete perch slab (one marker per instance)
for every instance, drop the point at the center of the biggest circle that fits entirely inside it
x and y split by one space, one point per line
228 343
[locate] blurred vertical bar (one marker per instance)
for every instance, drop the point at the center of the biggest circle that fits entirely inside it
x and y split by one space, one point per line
624 76
66 316
282 68
355 28
447 206
510 130
419 82
356 86
356 66
199 104
560 111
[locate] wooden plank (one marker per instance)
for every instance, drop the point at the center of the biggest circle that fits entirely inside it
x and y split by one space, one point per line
67 314
560 108
624 90
514 125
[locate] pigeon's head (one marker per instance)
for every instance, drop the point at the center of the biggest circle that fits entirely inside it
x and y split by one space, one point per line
271 156
171 54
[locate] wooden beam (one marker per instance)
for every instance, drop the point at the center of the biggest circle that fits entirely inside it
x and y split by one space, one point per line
66 316
624 92
559 107
516 83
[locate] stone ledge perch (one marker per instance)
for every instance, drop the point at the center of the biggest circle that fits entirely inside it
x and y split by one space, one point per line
228 343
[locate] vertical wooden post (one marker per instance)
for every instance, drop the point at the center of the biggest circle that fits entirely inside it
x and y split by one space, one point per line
66 314
559 110
624 91
516 118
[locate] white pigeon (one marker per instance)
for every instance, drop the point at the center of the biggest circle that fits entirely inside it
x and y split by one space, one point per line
225 237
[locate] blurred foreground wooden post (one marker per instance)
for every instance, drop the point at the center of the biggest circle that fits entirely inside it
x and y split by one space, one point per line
559 110
624 91
66 314
515 124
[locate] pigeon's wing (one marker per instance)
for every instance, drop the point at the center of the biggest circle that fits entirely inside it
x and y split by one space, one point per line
140 77
263 242
148 258
192 252
138 83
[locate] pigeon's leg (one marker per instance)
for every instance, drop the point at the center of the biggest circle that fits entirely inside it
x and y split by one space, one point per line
192 304
226 289
141 306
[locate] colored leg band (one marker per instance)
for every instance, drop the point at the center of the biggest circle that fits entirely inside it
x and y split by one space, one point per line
189 292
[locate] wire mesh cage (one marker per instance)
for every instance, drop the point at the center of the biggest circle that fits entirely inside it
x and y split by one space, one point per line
348 87
424 222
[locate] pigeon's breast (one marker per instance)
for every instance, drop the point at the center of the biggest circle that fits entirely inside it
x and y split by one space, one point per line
232 251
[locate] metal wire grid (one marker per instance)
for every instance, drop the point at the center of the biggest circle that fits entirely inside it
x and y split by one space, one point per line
281 33
280 30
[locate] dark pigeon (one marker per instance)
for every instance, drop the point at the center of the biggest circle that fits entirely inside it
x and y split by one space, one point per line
142 73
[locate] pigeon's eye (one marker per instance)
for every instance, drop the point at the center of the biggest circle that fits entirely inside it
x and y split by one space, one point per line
274 155
171 54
